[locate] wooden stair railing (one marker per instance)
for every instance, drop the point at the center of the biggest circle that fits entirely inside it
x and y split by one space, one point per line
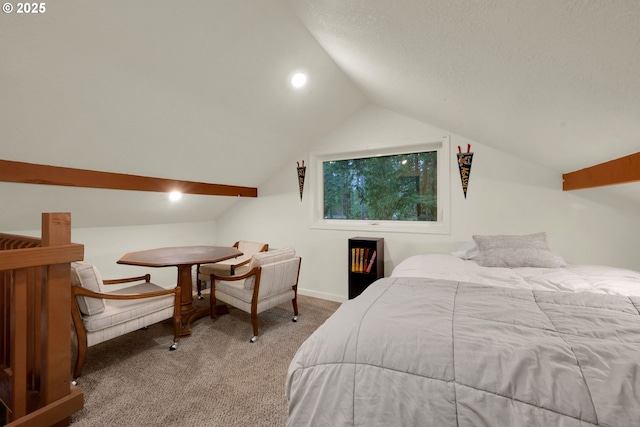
35 341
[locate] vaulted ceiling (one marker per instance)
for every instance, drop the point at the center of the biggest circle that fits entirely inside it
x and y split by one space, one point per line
555 81
199 91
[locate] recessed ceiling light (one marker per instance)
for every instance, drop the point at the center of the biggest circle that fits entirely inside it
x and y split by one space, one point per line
175 196
298 80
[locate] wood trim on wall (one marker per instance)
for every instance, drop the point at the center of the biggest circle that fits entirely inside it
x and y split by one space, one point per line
30 173
619 171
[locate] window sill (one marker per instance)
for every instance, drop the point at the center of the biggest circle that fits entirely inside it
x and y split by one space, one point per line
386 226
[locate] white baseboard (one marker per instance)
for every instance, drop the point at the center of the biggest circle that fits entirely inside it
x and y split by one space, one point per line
321 295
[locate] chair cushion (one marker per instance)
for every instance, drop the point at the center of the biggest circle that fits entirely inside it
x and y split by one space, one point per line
219 269
250 248
223 268
269 257
240 298
278 277
87 276
122 311
235 289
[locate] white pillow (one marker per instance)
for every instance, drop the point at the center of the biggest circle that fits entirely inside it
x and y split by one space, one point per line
469 251
515 251
87 275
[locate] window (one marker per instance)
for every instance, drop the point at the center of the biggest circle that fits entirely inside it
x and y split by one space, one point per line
396 187
404 189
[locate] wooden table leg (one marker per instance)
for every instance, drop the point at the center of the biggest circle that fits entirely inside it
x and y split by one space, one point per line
188 310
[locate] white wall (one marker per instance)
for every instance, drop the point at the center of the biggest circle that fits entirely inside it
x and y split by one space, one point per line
103 246
506 195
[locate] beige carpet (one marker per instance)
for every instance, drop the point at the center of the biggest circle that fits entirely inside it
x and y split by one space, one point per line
215 378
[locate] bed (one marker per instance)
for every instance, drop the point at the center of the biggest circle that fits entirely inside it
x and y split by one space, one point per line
448 341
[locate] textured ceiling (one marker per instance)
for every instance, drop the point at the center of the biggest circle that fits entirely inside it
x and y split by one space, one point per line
554 81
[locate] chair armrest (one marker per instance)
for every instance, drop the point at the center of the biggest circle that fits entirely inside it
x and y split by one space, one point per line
80 291
240 264
146 278
250 273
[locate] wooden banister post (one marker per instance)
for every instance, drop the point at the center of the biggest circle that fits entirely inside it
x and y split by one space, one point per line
56 228
55 320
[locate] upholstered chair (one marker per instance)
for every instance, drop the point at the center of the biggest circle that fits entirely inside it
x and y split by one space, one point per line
100 314
271 279
231 266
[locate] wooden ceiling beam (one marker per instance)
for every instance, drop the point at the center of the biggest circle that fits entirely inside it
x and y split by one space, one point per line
619 171
30 173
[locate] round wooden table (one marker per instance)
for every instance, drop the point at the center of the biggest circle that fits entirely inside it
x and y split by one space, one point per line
184 258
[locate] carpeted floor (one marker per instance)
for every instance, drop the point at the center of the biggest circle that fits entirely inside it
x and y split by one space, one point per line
215 378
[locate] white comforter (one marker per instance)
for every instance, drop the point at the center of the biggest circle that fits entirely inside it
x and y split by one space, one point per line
572 278
423 352
446 342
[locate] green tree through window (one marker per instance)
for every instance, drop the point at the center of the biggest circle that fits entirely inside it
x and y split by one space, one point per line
400 187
